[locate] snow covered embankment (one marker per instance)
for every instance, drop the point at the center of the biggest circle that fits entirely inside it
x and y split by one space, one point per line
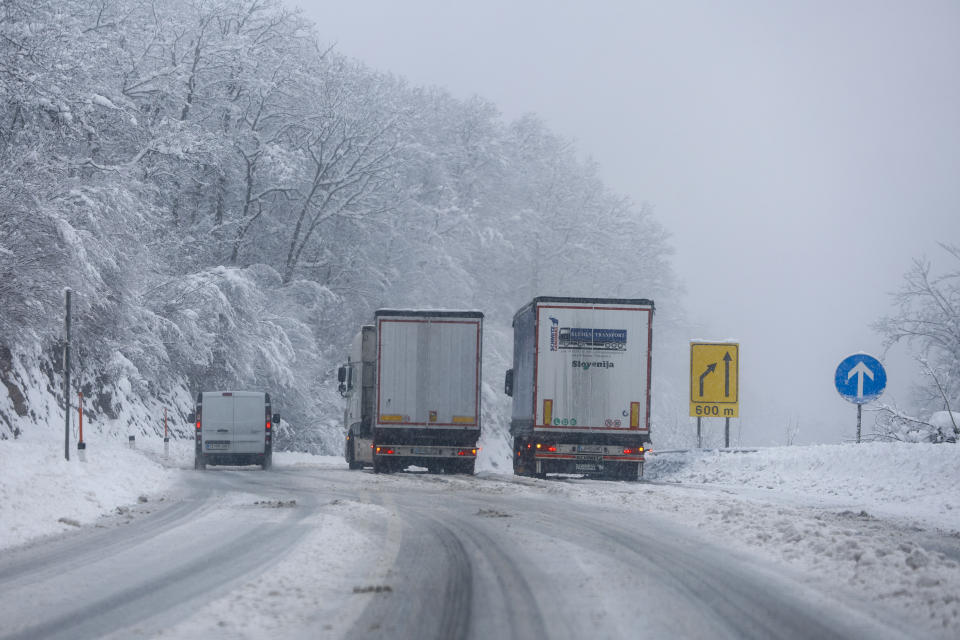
41 493
882 520
914 484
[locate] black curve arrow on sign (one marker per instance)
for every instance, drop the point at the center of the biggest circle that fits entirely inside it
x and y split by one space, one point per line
726 374
710 368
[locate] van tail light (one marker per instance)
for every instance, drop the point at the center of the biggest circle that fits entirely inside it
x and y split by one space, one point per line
268 425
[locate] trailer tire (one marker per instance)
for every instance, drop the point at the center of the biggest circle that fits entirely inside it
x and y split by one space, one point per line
519 466
352 463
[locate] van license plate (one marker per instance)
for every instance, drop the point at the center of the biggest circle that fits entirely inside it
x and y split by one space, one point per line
218 445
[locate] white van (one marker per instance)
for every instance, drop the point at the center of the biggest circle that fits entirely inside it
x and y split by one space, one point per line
233 427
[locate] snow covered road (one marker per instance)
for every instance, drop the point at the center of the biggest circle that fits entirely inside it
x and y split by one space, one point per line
312 550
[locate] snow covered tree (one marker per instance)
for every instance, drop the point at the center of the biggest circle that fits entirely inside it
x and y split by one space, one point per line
928 319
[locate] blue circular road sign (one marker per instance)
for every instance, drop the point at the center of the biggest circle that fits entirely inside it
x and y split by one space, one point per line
860 378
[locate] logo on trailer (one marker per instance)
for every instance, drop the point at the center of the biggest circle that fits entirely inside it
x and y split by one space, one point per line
593 339
554 339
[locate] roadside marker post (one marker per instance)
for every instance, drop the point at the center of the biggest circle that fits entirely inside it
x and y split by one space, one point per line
81 445
860 378
166 439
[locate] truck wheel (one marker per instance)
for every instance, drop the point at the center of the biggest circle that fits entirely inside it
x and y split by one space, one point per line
199 462
519 468
352 463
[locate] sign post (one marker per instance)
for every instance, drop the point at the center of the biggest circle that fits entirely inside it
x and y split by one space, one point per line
714 383
860 378
66 379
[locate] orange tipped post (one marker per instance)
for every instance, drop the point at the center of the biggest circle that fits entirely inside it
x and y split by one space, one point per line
81 445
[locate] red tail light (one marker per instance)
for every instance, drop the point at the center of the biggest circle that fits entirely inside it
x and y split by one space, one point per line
268 426
628 451
552 448
198 425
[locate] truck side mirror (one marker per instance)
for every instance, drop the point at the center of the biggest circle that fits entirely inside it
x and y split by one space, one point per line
342 388
276 418
191 417
341 375
508 383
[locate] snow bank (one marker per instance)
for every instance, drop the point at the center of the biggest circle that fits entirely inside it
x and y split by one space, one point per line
914 483
41 493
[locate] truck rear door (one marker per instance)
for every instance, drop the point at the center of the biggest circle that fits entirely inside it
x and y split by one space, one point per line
428 371
217 423
593 366
249 422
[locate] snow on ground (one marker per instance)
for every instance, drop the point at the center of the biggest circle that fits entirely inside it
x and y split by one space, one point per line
340 551
878 520
916 484
874 520
41 493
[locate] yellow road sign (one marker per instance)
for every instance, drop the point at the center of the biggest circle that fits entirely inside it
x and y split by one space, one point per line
714 376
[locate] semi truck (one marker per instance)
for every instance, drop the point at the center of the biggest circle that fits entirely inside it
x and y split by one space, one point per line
412 383
580 386
233 428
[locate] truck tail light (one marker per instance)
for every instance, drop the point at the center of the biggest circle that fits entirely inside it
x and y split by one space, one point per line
385 451
467 452
552 448
628 451
634 415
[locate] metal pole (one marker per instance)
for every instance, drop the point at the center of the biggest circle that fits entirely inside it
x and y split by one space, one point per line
726 433
699 437
81 445
66 382
166 438
859 413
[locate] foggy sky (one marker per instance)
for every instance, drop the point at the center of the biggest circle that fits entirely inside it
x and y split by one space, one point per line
800 153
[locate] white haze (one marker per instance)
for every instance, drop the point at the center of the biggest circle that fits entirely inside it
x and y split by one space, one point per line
801 154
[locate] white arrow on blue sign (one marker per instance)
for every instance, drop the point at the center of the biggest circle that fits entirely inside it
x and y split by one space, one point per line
860 378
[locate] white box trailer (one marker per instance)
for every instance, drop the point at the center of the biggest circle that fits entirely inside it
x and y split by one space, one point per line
425 407
580 384
233 428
